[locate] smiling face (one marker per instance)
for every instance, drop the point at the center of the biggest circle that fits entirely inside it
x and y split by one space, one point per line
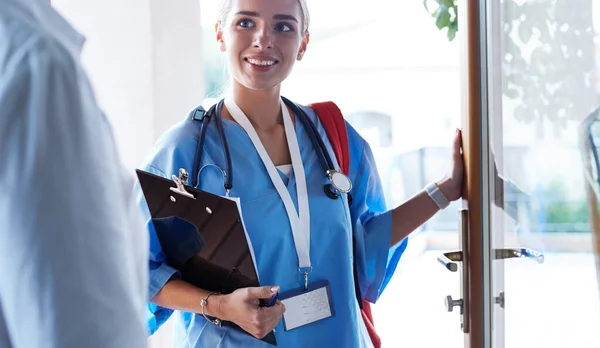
262 40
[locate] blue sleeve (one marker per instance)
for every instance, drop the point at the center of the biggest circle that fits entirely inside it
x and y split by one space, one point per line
371 222
159 272
172 151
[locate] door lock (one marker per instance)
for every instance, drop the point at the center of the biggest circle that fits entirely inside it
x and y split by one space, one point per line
499 300
451 303
451 259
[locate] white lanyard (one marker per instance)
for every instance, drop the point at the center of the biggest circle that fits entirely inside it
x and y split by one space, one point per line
299 220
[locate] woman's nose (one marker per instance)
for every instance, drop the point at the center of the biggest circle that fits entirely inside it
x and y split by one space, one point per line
262 38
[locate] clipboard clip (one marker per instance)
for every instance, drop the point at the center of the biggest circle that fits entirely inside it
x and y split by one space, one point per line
180 183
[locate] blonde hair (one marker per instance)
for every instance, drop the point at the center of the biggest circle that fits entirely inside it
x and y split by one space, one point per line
225 7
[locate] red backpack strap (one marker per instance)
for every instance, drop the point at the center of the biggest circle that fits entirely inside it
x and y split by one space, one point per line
335 126
332 119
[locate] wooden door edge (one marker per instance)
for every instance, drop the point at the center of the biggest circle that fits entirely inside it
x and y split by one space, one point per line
472 151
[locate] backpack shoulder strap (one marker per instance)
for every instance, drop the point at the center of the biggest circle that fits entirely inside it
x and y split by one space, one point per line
335 126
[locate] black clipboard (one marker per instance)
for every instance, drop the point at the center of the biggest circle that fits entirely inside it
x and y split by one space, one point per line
202 236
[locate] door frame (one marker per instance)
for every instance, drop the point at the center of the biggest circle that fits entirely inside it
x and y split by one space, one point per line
475 116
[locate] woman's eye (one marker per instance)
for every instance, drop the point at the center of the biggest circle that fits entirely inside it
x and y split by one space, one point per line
246 23
283 27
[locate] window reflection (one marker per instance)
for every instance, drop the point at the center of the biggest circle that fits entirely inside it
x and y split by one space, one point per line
544 83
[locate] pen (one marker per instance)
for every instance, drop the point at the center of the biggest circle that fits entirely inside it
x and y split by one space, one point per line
272 300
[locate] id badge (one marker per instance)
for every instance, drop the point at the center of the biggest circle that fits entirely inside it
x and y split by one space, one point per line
303 307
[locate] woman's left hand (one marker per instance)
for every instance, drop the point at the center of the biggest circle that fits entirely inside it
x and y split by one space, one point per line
451 185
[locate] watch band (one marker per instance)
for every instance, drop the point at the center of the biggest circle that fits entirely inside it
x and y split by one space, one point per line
437 196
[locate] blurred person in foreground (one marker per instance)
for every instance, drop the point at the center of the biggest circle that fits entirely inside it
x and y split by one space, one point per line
73 249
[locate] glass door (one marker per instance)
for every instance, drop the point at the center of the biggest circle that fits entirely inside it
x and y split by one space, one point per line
531 127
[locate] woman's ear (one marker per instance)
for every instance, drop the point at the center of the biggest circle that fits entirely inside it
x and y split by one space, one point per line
219 36
303 46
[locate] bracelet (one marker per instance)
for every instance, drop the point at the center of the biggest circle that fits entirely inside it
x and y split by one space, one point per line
203 304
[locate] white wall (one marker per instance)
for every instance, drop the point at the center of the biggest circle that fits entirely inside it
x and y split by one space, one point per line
177 60
117 55
144 59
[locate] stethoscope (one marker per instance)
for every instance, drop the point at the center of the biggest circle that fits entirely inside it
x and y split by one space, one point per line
338 182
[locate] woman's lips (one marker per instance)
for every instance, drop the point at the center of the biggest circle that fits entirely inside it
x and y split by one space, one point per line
261 63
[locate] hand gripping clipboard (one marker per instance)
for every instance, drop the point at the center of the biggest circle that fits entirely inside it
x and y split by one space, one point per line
202 236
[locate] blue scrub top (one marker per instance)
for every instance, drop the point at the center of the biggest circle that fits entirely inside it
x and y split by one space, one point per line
267 224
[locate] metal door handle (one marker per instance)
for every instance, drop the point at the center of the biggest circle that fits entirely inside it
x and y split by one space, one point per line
450 260
519 252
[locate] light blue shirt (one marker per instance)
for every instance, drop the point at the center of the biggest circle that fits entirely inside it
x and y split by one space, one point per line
73 247
268 227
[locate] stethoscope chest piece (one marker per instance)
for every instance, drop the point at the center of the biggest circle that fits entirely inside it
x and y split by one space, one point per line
339 183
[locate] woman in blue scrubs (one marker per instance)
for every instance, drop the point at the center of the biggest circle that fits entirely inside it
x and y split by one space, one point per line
279 181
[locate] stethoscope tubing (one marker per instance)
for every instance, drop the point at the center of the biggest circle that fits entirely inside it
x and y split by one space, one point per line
215 111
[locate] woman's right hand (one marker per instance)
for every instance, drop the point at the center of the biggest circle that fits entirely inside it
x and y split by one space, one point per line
242 307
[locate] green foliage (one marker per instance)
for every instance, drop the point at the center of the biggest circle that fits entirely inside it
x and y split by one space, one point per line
546 56
566 212
446 16
555 212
